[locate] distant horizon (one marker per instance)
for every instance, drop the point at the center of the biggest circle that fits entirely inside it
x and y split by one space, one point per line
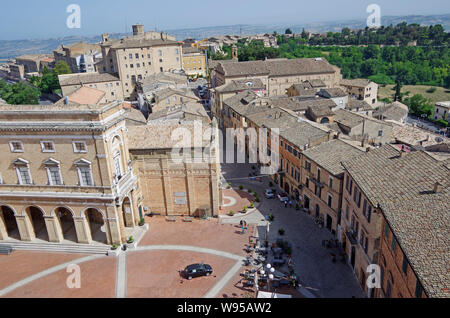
27 19
275 24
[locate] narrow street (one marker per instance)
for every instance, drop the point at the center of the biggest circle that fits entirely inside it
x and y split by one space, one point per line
312 262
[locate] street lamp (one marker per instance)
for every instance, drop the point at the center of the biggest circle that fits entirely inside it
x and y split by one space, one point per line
270 277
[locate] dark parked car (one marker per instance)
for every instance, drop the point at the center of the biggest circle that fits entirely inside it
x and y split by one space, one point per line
197 270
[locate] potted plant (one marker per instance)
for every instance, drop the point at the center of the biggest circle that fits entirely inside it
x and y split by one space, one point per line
130 240
257 199
281 232
244 209
241 187
114 251
252 205
255 194
231 213
142 222
249 190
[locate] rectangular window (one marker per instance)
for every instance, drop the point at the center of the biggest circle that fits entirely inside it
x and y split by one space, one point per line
388 289
24 175
330 201
369 213
16 146
330 183
86 178
364 207
394 244
405 264
308 166
386 230
47 146
418 290
55 176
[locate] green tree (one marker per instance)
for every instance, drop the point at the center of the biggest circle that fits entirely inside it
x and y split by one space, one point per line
62 68
398 91
419 105
20 93
288 31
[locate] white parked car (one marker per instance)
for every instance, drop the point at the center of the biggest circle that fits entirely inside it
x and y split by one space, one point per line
269 194
283 197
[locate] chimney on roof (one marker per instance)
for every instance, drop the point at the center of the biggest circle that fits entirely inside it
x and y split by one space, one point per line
437 187
234 52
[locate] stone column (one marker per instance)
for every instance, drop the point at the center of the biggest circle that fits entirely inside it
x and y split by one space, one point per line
3 230
82 229
114 233
190 188
215 197
167 186
25 227
53 229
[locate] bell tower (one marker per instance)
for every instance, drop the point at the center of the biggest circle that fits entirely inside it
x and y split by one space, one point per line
234 52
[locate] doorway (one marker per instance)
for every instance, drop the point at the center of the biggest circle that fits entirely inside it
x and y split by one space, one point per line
10 222
352 256
329 223
36 217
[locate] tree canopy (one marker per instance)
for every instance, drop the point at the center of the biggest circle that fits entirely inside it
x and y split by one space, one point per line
19 93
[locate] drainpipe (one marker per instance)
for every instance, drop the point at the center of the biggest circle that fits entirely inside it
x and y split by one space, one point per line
101 181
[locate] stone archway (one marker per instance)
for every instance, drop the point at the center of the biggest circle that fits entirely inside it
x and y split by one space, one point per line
67 223
97 225
8 224
36 217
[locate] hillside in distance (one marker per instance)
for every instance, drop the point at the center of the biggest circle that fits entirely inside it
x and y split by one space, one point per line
12 48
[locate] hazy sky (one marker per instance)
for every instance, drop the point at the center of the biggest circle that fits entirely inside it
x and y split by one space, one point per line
25 19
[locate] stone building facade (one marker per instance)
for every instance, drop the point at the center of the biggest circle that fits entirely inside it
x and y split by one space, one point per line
141 55
278 74
173 186
66 174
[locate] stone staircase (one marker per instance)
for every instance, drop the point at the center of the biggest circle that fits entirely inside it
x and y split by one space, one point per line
57 247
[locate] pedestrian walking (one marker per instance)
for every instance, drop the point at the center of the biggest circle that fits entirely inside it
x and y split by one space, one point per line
243 229
290 203
285 204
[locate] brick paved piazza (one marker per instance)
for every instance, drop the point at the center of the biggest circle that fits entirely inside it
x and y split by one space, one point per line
152 270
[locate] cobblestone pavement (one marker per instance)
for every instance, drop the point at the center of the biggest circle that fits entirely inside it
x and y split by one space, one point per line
312 262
